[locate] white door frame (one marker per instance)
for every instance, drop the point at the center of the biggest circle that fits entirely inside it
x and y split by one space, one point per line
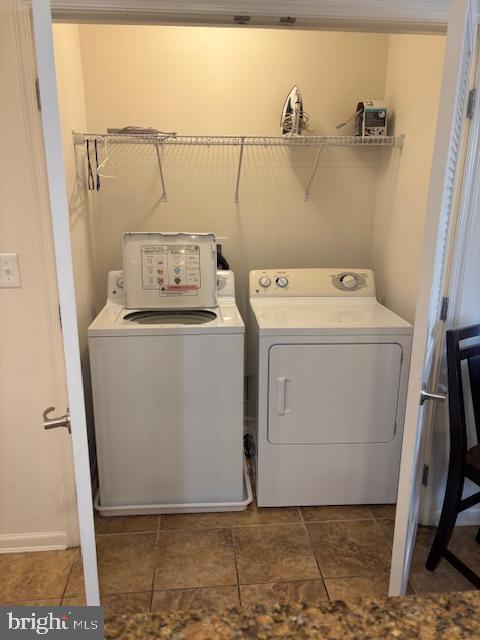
42 24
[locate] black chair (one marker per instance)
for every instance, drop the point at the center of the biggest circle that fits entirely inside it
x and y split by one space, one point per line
463 349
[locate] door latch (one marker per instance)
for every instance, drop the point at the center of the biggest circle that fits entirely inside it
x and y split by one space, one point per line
426 395
54 423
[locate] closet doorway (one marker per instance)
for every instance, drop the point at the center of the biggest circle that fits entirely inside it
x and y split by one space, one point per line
444 181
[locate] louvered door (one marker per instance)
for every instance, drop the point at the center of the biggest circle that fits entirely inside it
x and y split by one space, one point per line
444 184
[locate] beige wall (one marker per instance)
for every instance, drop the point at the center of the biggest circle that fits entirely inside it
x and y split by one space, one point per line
412 87
215 81
222 81
34 464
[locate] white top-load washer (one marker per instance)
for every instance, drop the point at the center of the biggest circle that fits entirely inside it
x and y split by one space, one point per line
167 381
330 376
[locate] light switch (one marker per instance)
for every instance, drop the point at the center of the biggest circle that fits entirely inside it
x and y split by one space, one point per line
9 271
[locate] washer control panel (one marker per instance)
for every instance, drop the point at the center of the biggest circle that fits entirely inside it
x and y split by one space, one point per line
312 283
169 270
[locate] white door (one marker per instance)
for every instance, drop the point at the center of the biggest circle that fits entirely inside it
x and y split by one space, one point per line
460 290
42 24
353 387
447 154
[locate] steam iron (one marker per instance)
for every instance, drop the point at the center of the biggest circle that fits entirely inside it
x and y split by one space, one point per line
294 119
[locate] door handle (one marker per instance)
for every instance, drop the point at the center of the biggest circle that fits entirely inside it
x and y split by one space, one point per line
54 423
281 389
426 395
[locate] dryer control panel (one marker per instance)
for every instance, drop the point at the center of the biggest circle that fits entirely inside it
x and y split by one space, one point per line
312 283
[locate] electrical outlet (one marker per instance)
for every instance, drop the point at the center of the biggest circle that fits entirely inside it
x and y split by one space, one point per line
9 271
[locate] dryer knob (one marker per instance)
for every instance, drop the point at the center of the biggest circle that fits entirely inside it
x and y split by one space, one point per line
264 282
349 281
281 281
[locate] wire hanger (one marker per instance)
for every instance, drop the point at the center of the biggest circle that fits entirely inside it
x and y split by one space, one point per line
103 164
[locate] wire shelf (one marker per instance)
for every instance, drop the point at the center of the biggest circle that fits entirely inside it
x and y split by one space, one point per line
159 139
283 141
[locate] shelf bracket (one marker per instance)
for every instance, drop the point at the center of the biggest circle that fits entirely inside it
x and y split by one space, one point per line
314 171
239 170
163 197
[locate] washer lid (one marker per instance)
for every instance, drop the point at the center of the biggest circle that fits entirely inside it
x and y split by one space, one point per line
326 316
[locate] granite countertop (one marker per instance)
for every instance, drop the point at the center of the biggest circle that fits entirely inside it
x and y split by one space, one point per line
450 616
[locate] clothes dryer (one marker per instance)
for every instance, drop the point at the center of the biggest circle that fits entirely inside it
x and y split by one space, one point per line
330 379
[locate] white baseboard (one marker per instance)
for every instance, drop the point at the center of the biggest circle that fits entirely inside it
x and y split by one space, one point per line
35 541
468 518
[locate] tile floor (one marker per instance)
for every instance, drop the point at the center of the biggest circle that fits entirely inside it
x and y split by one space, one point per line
229 559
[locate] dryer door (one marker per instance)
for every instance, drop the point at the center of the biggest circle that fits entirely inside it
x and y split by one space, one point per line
333 393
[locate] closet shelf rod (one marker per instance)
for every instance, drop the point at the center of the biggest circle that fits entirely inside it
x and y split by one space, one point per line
281 141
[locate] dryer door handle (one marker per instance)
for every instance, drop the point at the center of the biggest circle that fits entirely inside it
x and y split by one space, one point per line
281 393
